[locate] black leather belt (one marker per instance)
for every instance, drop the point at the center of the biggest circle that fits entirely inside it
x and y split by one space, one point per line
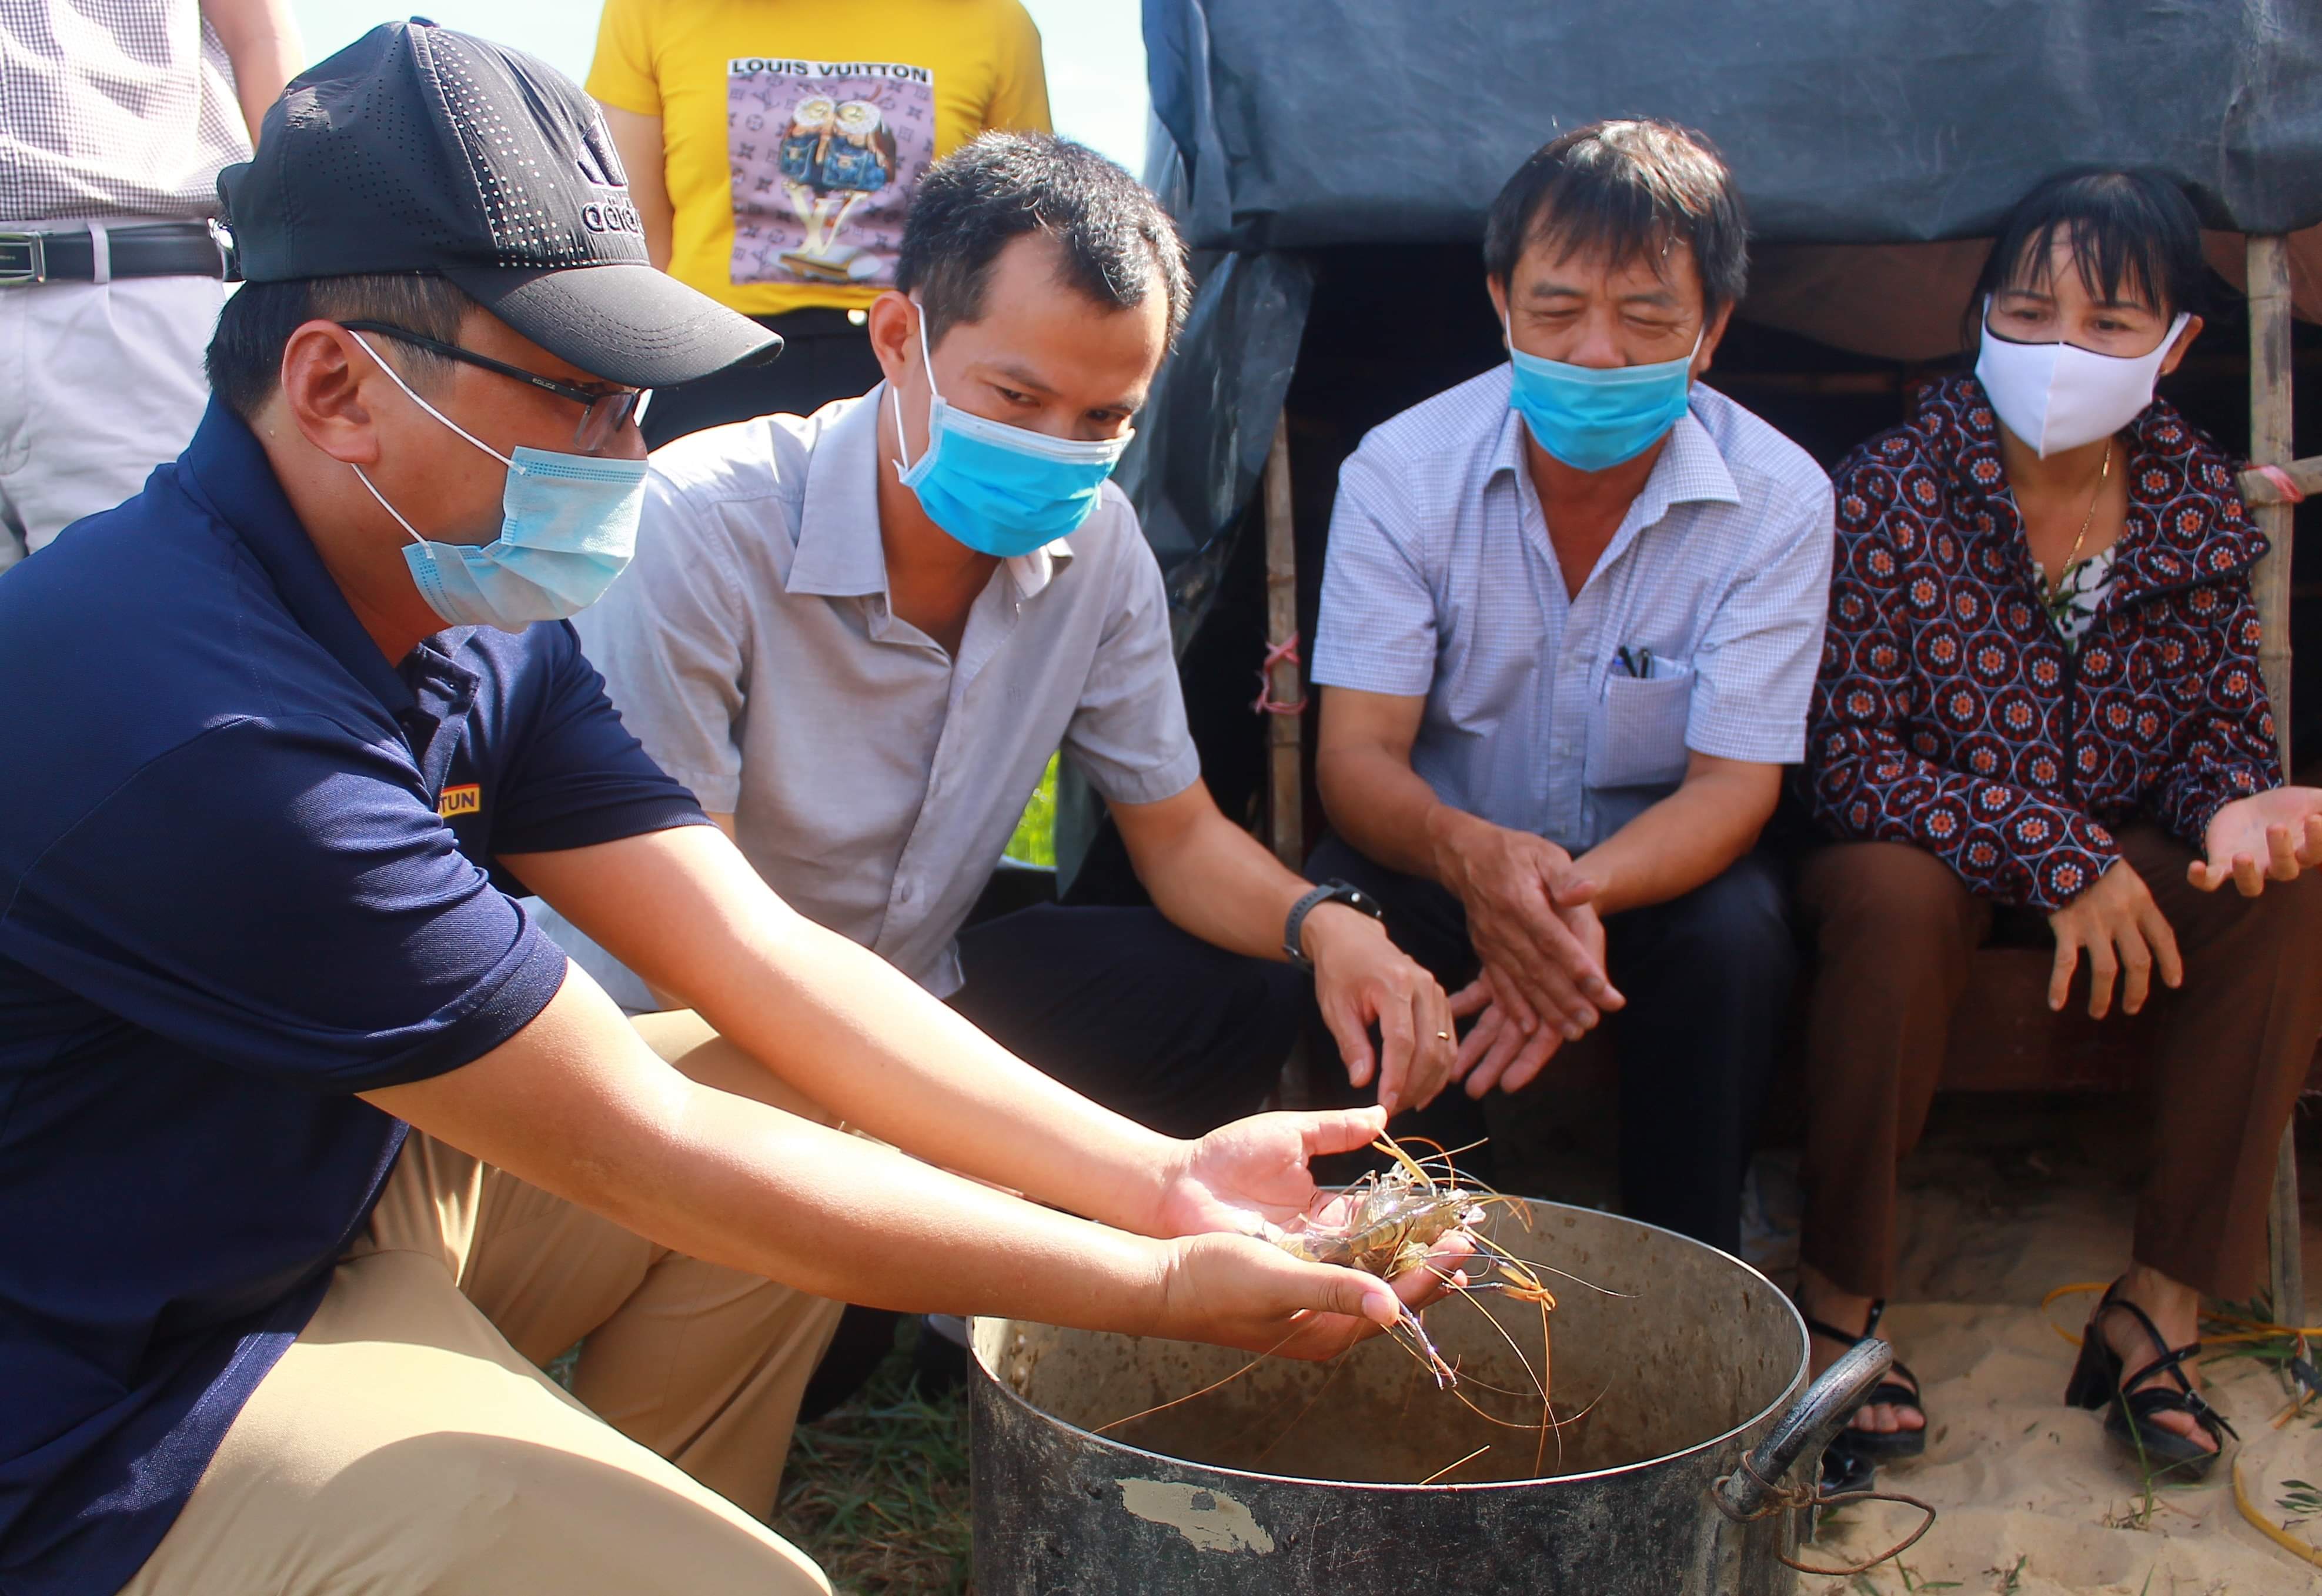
152 249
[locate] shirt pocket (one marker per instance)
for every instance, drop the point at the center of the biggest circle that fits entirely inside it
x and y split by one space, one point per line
1636 732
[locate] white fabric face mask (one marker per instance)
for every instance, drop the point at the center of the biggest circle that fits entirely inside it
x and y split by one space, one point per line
2059 396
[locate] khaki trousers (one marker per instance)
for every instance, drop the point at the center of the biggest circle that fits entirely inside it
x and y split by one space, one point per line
408 1443
1896 930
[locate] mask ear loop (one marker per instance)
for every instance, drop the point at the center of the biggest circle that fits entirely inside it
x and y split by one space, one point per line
894 397
392 376
384 505
396 378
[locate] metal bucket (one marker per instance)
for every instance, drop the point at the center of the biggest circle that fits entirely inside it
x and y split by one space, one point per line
1698 1364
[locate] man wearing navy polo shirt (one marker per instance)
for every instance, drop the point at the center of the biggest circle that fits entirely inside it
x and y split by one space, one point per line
312 1147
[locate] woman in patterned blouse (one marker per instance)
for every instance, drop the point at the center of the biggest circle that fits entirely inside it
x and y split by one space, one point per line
2039 698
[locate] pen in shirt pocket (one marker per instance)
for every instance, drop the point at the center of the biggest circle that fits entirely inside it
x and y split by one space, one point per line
1635 662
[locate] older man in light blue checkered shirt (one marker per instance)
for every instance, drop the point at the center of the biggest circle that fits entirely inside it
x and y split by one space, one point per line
1571 619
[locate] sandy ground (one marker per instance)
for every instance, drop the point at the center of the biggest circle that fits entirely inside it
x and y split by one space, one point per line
2008 1198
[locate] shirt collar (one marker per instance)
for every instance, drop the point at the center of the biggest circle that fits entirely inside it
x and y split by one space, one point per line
232 472
840 553
1691 469
2186 520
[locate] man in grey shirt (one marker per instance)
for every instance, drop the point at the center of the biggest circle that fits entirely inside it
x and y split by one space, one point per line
859 635
1570 622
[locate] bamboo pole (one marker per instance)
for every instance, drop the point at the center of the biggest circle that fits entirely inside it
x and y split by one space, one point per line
2270 445
2305 475
1285 775
2270 412
1285 751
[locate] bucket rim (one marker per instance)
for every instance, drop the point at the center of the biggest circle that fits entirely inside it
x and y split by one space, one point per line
1788 1395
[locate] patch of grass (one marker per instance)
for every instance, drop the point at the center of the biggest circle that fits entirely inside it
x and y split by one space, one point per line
1035 842
2301 1499
876 1490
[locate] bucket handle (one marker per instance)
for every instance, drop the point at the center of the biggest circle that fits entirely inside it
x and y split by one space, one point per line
1753 1490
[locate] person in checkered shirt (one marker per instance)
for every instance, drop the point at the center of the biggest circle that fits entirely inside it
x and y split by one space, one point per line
115 121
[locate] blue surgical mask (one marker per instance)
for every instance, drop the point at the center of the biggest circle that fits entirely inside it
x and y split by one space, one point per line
567 526
1002 490
1594 418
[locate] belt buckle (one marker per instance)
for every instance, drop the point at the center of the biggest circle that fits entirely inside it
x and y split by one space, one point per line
23 259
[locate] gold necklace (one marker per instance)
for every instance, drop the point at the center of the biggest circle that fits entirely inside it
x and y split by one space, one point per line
2104 474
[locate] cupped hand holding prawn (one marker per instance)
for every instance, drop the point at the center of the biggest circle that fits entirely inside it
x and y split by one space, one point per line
1251 1180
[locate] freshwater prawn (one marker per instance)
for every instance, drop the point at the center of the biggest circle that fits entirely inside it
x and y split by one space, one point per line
1390 1223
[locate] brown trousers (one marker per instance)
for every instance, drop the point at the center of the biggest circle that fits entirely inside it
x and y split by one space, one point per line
1895 929
407 1443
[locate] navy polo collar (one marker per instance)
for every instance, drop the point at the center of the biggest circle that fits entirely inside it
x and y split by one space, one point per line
230 469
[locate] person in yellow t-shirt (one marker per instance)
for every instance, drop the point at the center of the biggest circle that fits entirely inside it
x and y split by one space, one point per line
771 149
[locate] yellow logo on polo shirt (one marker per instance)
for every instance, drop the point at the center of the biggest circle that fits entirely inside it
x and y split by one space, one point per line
467 798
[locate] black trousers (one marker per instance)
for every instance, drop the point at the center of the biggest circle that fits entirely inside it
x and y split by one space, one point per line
825 357
1124 1008
1707 977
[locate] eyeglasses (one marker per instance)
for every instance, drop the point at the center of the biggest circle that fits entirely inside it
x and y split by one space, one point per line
602 414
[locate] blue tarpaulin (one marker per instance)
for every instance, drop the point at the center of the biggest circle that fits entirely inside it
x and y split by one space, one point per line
1307 122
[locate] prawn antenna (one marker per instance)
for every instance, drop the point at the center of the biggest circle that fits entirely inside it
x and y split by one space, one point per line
1205 1390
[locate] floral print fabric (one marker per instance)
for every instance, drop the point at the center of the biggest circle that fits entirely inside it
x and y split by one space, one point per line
2073 601
1951 714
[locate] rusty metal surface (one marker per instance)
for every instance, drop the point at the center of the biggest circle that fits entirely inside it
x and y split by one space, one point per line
1296 1477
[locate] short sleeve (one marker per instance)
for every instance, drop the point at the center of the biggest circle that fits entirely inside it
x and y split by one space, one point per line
671 638
1128 735
1020 94
1376 631
622 73
1754 667
281 897
581 778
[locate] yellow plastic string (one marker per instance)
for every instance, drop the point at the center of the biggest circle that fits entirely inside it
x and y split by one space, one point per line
2250 1329
2278 1535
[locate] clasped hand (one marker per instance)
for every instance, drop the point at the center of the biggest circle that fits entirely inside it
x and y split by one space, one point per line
1532 921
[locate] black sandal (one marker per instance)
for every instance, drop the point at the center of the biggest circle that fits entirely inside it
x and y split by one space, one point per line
1853 1444
2096 1381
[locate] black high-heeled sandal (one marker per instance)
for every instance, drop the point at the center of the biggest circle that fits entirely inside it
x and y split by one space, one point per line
2096 1381
1873 1446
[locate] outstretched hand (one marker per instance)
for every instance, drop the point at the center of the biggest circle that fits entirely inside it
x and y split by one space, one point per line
1252 1174
1238 1292
2268 837
1248 1180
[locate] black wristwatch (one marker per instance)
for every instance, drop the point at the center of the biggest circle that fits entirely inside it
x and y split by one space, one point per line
1330 892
